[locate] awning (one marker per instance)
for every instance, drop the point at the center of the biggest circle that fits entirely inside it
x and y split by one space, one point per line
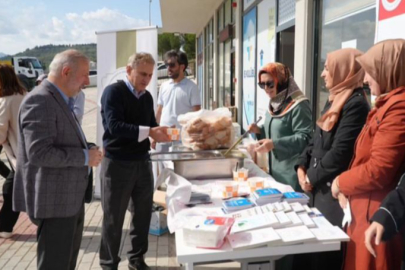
186 16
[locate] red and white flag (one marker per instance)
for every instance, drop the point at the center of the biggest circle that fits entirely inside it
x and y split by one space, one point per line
390 19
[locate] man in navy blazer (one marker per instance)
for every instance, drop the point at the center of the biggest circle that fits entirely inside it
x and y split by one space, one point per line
53 162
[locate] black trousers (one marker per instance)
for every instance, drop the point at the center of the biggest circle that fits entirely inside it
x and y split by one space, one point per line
59 241
330 260
4 170
8 218
125 185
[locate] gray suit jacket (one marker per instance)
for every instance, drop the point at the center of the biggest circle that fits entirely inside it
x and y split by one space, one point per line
50 179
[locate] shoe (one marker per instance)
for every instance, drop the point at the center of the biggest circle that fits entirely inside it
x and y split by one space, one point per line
138 265
5 235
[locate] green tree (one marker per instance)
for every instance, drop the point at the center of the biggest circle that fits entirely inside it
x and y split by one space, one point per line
189 45
170 41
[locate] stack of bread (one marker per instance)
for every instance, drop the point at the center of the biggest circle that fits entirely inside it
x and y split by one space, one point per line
208 133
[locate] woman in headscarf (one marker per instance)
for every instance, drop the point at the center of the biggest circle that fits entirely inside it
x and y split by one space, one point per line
331 148
379 159
11 96
287 127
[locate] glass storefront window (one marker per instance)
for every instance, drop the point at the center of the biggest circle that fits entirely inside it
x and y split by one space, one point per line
227 75
228 12
334 10
220 74
221 19
224 70
354 28
211 101
209 65
211 32
200 80
233 10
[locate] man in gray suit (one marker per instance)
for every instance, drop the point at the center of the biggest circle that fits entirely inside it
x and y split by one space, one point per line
53 162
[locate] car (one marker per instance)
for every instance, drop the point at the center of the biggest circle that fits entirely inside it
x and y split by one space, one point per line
162 72
93 77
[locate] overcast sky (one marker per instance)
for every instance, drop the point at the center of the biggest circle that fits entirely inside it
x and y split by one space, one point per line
26 23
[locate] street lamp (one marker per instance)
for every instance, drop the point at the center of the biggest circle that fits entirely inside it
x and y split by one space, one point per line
182 40
150 2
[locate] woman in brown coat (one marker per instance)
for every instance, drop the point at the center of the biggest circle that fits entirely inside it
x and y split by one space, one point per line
379 159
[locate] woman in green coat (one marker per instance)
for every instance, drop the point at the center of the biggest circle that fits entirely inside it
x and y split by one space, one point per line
287 127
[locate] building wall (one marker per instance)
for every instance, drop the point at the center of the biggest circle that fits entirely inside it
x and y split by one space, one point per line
313 22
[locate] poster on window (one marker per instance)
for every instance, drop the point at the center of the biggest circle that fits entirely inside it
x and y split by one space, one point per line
390 19
266 21
249 67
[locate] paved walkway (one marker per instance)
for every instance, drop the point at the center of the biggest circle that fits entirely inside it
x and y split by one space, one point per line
19 252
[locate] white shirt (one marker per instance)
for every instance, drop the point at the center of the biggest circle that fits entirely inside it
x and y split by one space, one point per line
143 130
176 99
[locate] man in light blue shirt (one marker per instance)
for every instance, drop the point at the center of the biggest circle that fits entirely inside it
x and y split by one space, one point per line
78 108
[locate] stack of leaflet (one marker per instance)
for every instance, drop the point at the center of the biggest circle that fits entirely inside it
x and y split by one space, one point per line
255 222
237 204
255 238
209 232
267 195
292 197
295 235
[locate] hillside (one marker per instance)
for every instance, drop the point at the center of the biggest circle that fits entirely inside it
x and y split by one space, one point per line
46 53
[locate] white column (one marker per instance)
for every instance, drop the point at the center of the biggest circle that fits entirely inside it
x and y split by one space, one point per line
303 44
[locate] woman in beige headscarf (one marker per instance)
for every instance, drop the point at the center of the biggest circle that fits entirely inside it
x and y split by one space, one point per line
331 149
379 159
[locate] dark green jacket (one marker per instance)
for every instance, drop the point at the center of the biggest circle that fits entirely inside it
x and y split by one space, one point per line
290 134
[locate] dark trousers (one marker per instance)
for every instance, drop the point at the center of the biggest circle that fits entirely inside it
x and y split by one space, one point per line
4 170
125 185
330 260
8 218
59 241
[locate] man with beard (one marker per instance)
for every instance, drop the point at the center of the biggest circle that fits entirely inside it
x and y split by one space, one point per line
53 162
179 95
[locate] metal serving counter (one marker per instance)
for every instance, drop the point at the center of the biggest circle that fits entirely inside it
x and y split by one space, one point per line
202 164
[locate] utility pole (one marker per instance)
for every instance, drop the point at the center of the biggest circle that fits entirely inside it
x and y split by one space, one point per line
150 2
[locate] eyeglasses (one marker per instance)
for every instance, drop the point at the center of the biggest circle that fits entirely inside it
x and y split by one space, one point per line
170 65
263 85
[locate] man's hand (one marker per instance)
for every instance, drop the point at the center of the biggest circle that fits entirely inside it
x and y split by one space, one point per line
159 134
374 230
335 188
302 179
253 128
264 146
95 156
